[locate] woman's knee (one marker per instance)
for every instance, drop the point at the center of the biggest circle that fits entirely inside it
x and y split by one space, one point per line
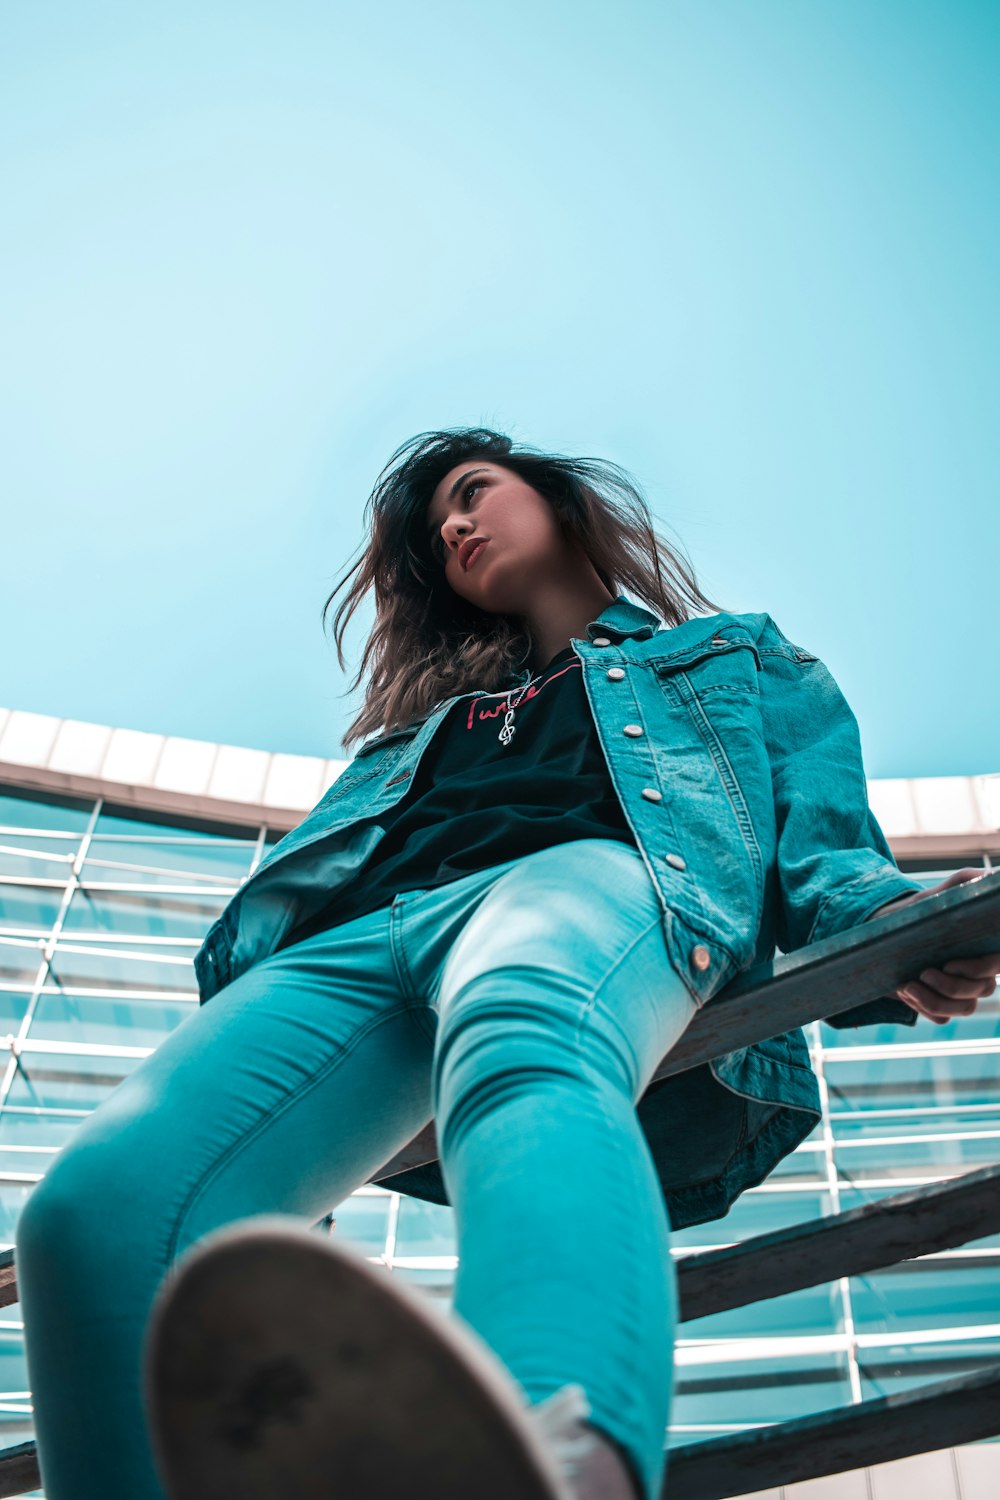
87 1190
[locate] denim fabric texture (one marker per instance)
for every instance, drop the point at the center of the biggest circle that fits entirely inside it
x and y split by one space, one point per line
457 1003
738 764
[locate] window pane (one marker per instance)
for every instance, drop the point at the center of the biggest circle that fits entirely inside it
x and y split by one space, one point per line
147 862
142 913
13 1006
812 1310
754 1212
363 1220
56 1082
931 1293
425 1228
123 967
757 1390
112 1023
69 814
900 1367
30 908
19 961
36 1129
33 858
948 1077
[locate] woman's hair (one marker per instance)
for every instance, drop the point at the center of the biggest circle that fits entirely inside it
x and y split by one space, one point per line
428 643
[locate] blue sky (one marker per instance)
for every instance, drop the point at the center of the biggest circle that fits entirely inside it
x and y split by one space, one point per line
746 251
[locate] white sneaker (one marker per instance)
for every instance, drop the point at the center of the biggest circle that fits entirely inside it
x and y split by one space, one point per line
279 1364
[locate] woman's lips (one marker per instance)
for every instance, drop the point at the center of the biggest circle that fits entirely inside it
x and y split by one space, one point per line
475 553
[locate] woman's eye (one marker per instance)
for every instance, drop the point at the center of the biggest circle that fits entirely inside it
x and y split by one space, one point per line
438 545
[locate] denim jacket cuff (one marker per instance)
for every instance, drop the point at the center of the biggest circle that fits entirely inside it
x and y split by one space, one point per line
850 904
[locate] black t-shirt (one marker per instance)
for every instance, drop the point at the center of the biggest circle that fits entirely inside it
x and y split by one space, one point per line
475 802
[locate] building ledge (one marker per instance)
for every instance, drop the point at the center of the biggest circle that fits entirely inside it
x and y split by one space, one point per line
922 816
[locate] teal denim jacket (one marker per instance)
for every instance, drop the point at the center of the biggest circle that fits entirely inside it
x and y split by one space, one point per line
737 761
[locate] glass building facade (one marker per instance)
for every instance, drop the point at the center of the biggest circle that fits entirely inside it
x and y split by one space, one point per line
102 906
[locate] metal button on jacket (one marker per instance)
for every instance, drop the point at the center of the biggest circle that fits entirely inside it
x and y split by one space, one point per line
652 794
601 640
616 673
632 729
676 860
700 957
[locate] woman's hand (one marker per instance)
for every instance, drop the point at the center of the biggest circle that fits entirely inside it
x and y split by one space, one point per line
958 986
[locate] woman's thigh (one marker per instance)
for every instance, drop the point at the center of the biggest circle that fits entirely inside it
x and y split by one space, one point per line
283 1093
566 944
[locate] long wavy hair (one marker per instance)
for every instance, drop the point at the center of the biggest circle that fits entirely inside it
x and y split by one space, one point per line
428 643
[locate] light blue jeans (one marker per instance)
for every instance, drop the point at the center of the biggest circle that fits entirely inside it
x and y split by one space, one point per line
525 1009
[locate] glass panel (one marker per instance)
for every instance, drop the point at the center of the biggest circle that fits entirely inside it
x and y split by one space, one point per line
13 1196
68 814
19 961
115 1023
31 858
437 1281
803 1164
887 1157
34 1162
13 1006
56 1082
144 862
949 1077
30 908
900 1367
932 1293
149 913
117 821
123 968
34 1129
425 1228
754 1212
984 1023
916 1121
363 1220
812 1310
750 1391
14 1375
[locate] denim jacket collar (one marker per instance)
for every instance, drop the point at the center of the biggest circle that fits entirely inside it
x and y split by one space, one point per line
623 618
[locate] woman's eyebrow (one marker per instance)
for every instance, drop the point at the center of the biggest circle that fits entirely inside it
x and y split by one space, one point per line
455 489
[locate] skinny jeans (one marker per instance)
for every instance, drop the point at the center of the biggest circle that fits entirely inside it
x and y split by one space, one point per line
523 1008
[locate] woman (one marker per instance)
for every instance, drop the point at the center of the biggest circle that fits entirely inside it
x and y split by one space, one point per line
578 819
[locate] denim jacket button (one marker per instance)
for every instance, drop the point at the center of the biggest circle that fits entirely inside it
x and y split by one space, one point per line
652 794
601 640
633 730
676 860
700 957
616 673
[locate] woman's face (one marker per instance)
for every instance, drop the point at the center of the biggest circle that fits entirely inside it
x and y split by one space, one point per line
523 543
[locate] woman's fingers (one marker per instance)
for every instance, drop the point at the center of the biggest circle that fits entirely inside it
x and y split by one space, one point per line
958 987
987 966
933 1003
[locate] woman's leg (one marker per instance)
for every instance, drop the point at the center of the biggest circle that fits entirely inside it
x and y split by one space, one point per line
283 1094
555 1004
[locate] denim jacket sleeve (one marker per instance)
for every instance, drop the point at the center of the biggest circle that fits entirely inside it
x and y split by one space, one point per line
834 863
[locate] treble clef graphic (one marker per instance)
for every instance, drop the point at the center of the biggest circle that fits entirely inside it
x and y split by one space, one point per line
508 731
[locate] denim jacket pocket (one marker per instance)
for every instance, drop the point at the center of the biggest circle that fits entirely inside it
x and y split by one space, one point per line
727 661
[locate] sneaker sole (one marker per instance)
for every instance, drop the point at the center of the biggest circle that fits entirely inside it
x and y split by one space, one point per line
279 1365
